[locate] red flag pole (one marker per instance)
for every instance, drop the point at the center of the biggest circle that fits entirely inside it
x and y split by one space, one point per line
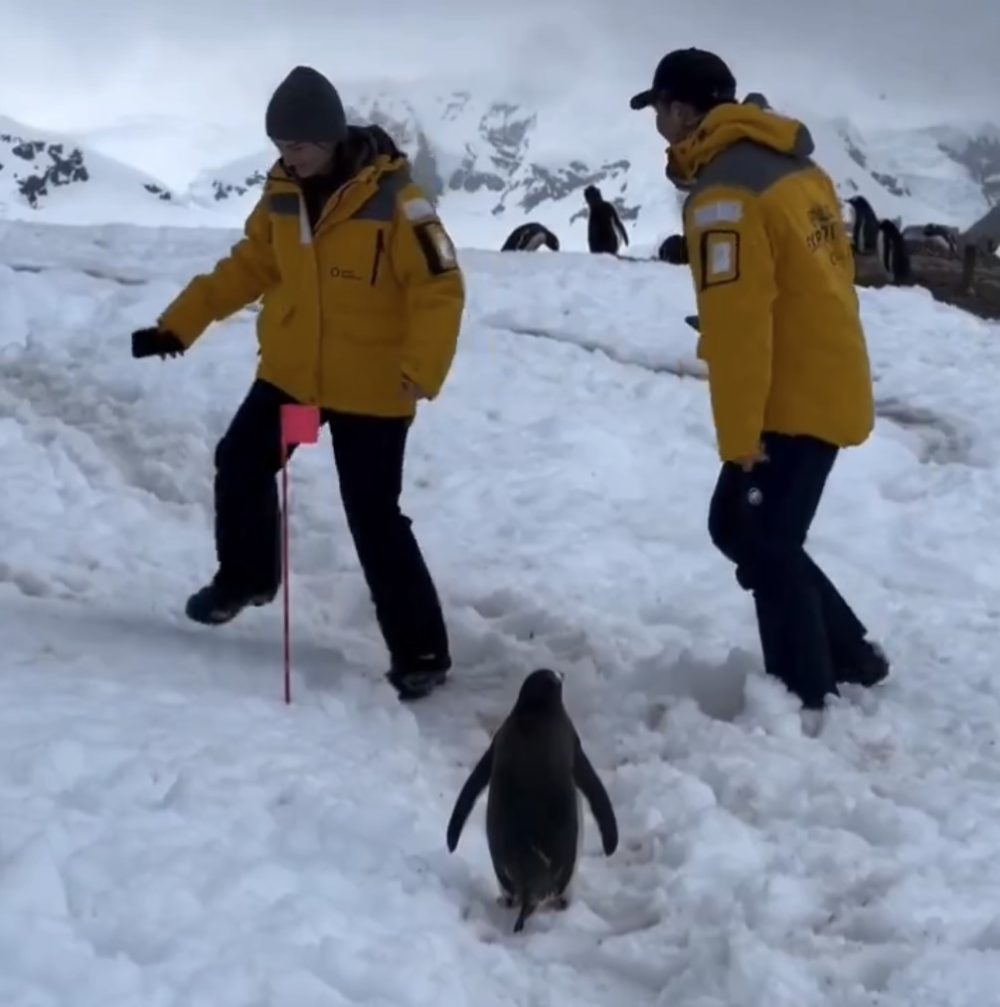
299 425
285 572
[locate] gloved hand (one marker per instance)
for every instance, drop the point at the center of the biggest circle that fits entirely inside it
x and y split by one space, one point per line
155 342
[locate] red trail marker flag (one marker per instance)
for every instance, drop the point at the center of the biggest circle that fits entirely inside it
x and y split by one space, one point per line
299 425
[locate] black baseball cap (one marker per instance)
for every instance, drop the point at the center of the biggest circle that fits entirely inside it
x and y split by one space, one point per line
694 76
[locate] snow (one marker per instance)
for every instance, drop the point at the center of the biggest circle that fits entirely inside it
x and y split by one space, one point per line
173 834
103 190
175 148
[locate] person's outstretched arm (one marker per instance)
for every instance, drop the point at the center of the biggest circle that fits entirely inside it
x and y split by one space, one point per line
236 281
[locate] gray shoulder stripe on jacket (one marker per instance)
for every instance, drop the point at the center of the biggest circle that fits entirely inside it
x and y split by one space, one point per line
284 204
382 205
748 165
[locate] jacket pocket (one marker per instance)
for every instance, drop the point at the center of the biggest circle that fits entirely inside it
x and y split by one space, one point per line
379 250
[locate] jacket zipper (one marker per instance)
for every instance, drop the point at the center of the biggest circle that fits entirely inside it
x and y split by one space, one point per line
379 248
315 260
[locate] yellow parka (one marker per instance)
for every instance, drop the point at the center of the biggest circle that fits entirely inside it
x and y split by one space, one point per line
374 295
773 271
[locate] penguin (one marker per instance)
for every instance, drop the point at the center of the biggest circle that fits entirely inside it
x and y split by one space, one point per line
674 250
605 232
534 765
864 226
892 252
529 238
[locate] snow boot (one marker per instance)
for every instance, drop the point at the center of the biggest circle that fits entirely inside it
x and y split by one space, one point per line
218 603
417 679
871 667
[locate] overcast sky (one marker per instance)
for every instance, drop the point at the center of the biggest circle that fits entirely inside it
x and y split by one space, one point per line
84 63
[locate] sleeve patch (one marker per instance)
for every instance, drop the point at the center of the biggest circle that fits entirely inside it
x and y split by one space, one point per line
418 209
720 258
438 249
725 211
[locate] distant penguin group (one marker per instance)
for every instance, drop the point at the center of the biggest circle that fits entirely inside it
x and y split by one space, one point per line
533 767
605 232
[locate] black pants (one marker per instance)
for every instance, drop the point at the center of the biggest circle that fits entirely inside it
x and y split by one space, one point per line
760 520
368 452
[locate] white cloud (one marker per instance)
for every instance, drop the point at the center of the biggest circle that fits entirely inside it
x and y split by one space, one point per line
82 64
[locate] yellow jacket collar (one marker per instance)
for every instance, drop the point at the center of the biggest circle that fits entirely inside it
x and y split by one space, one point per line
729 124
351 195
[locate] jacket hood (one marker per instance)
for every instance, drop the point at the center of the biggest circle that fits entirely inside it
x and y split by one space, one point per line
729 124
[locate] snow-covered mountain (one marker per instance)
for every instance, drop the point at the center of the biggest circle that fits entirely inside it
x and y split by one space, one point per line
49 177
493 163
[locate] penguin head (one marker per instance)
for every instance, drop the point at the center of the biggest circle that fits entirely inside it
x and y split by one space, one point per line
541 692
592 194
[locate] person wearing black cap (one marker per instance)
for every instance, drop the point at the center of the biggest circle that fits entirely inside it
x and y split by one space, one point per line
788 367
362 300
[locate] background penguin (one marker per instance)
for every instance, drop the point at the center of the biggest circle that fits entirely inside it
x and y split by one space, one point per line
605 232
529 238
533 767
864 226
892 252
674 250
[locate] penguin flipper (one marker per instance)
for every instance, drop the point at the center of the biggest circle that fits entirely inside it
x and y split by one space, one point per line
468 795
589 782
621 228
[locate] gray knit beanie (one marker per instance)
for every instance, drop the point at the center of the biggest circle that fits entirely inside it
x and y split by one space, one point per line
306 108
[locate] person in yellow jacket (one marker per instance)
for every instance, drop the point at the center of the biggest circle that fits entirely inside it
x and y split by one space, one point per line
362 298
781 333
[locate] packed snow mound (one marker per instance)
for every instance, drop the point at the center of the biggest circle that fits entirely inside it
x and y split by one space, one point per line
53 178
173 831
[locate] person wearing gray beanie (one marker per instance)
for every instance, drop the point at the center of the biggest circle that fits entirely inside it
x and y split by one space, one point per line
306 108
362 301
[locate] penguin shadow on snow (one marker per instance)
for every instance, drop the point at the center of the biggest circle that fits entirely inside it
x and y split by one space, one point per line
535 768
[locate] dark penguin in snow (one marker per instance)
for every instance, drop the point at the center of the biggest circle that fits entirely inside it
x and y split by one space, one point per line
674 250
864 227
529 238
533 767
892 252
605 232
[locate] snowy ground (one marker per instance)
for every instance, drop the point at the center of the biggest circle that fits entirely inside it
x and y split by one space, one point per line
171 834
